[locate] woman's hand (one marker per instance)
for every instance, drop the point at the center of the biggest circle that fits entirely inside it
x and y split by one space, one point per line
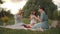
38 18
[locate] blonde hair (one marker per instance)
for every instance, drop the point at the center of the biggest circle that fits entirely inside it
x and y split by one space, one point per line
20 12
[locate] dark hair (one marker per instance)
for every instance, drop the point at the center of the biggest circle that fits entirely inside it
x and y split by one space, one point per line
42 8
33 13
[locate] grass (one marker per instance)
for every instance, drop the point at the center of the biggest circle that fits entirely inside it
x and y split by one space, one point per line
25 20
13 31
10 22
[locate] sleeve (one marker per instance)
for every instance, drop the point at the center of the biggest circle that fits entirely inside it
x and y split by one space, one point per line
42 17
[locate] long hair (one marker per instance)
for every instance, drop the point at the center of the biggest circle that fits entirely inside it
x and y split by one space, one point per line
34 13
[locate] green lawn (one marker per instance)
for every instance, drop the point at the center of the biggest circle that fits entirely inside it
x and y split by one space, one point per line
13 31
25 20
10 22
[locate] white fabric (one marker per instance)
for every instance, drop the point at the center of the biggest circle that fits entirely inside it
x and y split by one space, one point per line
33 20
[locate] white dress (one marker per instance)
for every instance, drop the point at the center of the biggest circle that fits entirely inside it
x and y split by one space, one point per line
17 19
33 20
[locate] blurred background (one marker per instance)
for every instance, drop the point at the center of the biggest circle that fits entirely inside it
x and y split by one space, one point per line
9 8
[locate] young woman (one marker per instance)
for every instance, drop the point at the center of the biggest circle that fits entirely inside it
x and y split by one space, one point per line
18 17
32 19
43 24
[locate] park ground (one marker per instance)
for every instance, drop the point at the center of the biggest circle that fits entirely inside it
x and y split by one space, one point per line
18 31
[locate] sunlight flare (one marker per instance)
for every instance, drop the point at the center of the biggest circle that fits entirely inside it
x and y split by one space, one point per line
13 6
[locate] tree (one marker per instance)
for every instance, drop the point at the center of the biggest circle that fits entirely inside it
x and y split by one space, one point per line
55 14
1 2
59 15
49 6
5 13
4 20
59 12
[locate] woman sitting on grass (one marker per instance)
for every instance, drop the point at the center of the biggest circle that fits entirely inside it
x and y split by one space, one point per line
18 18
43 24
32 19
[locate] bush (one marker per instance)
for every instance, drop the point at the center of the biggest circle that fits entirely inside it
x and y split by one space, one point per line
4 19
58 18
55 15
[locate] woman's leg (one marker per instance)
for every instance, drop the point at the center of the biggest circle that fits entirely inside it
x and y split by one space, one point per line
36 26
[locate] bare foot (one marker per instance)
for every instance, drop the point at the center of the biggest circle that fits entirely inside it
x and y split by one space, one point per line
40 29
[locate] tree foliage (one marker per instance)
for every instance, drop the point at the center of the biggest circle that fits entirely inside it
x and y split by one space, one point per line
55 14
1 2
5 19
5 13
48 5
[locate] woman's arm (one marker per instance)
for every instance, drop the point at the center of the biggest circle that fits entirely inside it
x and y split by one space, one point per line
37 18
30 17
